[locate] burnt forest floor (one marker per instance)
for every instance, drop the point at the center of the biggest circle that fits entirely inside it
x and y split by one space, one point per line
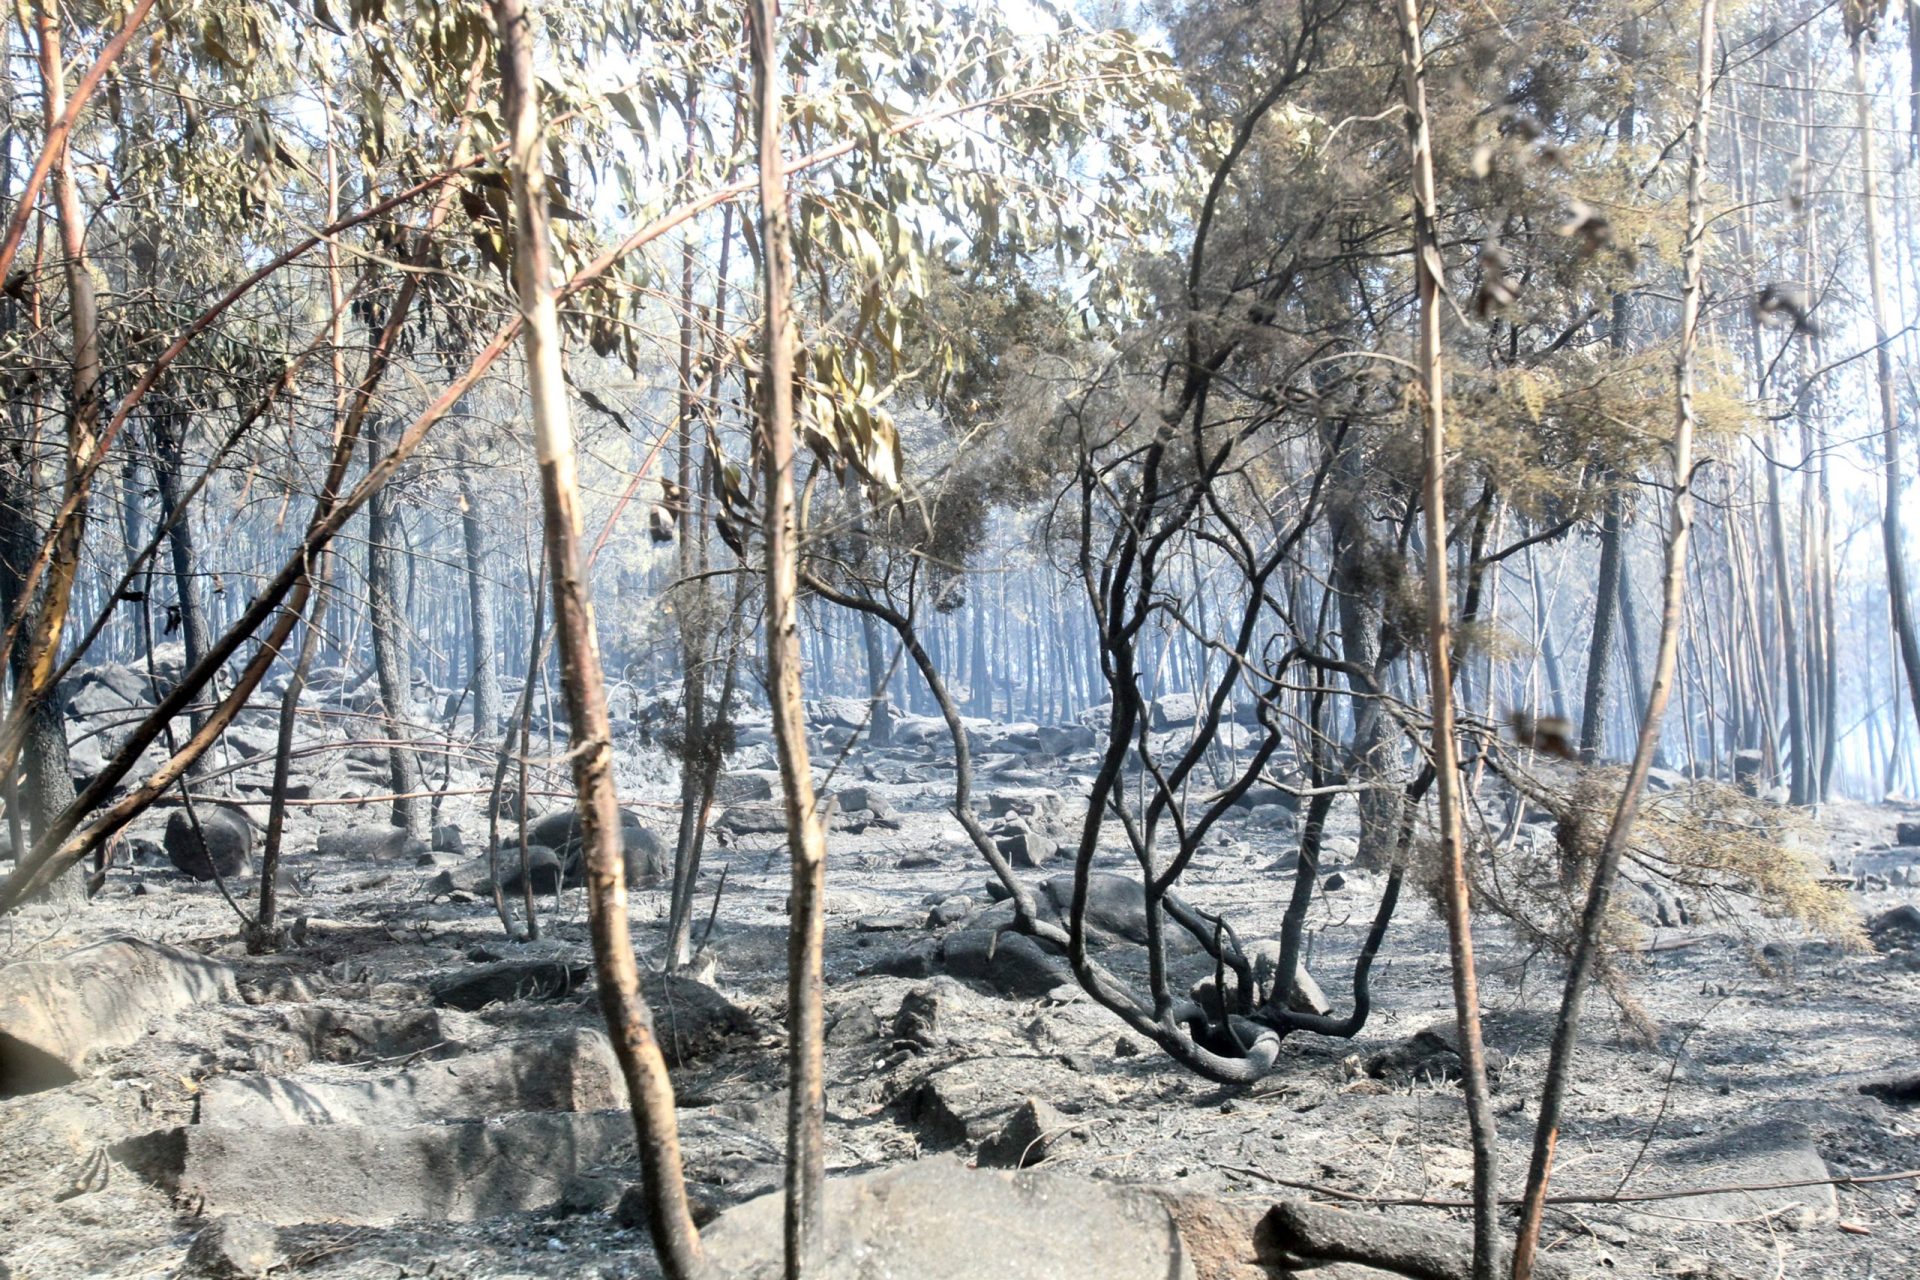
1749 1046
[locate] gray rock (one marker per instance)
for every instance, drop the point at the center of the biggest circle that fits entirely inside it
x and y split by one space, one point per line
949 911
447 839
223 843
937 1220
1770 1151
1296 1229
691 1020
232 1249
542 870
745 786
1033 1132
357 1034
54 1013
373 842
574 1071
1010 963
1027 850
374 1176
477 987
917 1024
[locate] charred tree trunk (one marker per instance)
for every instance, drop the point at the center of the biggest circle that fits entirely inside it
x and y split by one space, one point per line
1446 761
806 837
629 1021
482 646
391 632
1898 596
1566 1035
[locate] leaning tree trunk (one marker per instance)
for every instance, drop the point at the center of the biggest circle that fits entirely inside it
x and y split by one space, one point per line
629 1021
390 627
1446 760
1566 1034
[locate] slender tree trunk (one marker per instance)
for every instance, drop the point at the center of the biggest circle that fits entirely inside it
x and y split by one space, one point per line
1898 600
391 632
1427 272
806 840
1566 1036
482 647
169 427
629 1021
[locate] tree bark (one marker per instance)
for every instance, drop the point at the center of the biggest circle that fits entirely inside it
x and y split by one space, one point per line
482 639
629 1021
1427 271
391 633
1566 1034
1898 597
806 838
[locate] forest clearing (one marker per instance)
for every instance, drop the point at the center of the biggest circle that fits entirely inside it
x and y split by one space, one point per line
1210 640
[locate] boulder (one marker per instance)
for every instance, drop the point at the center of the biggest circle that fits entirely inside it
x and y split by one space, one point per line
1010 963
574 1071
53 1013
232 1249
378 1175
1428 1055
447 839
542 869
1907 834
352 1033
1027 850
1750 1155
502 981
691 1020
745 786
223 843
646 857
371 842
938 1220
1033 1132
1301 1232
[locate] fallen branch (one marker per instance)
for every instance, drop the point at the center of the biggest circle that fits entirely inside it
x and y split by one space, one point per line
1598 1197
